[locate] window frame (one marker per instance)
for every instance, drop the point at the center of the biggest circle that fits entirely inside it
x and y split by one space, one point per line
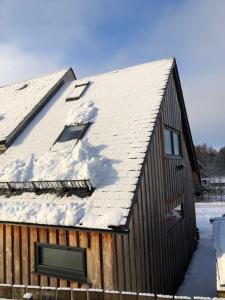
86 85
172 131
86 126
59 272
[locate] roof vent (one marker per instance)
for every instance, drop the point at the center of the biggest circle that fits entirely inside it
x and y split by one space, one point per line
22 87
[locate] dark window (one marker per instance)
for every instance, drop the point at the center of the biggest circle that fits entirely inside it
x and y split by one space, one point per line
61 261
78 91
72 132
174 216
172 142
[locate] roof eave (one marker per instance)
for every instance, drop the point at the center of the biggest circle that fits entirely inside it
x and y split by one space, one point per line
112 229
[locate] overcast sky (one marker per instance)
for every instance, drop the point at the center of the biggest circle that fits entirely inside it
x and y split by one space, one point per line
95 36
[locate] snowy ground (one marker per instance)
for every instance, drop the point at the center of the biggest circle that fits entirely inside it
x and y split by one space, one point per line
200 278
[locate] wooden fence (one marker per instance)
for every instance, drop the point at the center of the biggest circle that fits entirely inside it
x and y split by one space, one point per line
51 293
214 190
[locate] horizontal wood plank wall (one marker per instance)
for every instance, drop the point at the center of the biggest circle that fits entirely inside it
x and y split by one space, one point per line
159 256
17 256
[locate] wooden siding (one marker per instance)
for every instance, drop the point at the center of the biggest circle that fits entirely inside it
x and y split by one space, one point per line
17 255
161 255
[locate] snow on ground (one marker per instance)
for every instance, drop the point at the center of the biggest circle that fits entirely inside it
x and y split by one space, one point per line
200 278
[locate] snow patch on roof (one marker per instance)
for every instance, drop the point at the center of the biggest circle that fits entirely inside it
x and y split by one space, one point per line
76 160
18 170
83 162
111 217
80 162
51 213
82 112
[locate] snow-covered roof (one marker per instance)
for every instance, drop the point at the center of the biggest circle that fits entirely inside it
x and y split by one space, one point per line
122 107
19 99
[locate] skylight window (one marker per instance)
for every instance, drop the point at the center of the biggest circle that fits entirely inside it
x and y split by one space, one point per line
72 132
78 91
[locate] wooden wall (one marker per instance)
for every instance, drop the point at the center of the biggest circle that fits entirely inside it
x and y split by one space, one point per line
152 258
17 255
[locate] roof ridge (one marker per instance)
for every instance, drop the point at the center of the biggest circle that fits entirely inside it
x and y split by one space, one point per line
35 77
171 58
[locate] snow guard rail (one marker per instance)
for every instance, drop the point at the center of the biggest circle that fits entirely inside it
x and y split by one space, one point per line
77 187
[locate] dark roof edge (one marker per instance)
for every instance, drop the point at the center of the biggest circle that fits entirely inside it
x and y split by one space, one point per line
112 229
71 70
187 130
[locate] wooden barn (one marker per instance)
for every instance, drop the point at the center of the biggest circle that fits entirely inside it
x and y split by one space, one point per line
97 180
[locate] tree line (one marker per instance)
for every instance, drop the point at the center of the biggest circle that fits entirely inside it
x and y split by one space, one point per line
211 159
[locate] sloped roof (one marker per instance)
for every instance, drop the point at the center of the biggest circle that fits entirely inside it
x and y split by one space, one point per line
122 107
18 100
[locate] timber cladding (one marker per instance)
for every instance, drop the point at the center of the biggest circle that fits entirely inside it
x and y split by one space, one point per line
17 255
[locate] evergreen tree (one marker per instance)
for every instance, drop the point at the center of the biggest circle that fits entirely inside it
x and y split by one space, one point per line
220 162
207 157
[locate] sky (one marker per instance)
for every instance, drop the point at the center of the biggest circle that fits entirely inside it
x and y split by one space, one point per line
95 36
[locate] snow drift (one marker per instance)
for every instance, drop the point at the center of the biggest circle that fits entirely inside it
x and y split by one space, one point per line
75 160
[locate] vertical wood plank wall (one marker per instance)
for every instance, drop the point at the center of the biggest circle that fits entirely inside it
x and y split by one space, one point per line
161 255
17 255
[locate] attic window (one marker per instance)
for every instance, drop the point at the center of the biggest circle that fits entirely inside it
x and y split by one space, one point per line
78 91
72 132
172 142
22 87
